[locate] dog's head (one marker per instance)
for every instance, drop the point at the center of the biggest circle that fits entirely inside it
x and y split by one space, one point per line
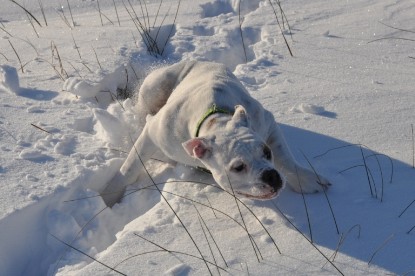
239 159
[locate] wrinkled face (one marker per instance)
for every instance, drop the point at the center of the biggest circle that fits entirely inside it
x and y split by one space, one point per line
240 161
244 165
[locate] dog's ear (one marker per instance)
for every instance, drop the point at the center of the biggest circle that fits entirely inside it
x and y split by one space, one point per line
240 117
197 147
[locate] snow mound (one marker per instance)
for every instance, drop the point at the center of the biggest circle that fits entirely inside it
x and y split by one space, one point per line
308 108
9 79
312 109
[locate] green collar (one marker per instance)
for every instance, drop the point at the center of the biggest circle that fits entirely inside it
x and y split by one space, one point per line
213 110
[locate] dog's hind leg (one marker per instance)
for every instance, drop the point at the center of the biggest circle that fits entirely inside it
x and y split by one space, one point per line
158 86
142 150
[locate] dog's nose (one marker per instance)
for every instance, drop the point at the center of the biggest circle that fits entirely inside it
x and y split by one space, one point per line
272 178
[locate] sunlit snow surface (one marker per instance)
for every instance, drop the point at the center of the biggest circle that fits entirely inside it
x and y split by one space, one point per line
345 100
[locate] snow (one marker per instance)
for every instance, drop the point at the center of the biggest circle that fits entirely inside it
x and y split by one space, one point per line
344 95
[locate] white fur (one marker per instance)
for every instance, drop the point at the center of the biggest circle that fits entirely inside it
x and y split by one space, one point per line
232 146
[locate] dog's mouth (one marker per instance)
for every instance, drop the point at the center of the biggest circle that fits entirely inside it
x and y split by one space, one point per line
268 196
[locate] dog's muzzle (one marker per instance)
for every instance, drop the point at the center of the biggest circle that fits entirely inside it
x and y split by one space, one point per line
272 178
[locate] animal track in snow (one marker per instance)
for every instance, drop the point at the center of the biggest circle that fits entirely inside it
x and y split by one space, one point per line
219 7
200 30
225 33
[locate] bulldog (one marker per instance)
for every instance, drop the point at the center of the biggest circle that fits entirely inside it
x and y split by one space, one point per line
199 114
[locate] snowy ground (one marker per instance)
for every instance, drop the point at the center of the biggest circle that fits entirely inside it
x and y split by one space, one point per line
343 88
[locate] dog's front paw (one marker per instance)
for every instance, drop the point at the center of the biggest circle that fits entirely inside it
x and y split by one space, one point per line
306 181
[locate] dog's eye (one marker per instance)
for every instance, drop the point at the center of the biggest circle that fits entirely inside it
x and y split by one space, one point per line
239 167
267 153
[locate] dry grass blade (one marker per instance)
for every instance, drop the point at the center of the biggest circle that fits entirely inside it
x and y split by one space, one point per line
106 17
62 15
325 193
55 51
254 245
17 55
210 204
157 13
96 57
206 238
70 12
38 127
154 40
29 43
390 160
304 236
53 67
391 38
76 46
247 269
381 176
85 254
211 236
281 27
357 166
4 30
116 13
43 11
172 27
342 239
335 148
399 29
33 26
284 18
407 207
240 30
4 57
410 230
9 133
100 14
135 73
380 247
27 12
144 14
123 93
367 174
305 206
83 63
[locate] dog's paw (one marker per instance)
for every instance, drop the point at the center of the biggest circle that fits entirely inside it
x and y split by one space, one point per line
306 181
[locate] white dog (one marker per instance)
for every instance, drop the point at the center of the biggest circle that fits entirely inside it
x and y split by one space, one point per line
201 115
